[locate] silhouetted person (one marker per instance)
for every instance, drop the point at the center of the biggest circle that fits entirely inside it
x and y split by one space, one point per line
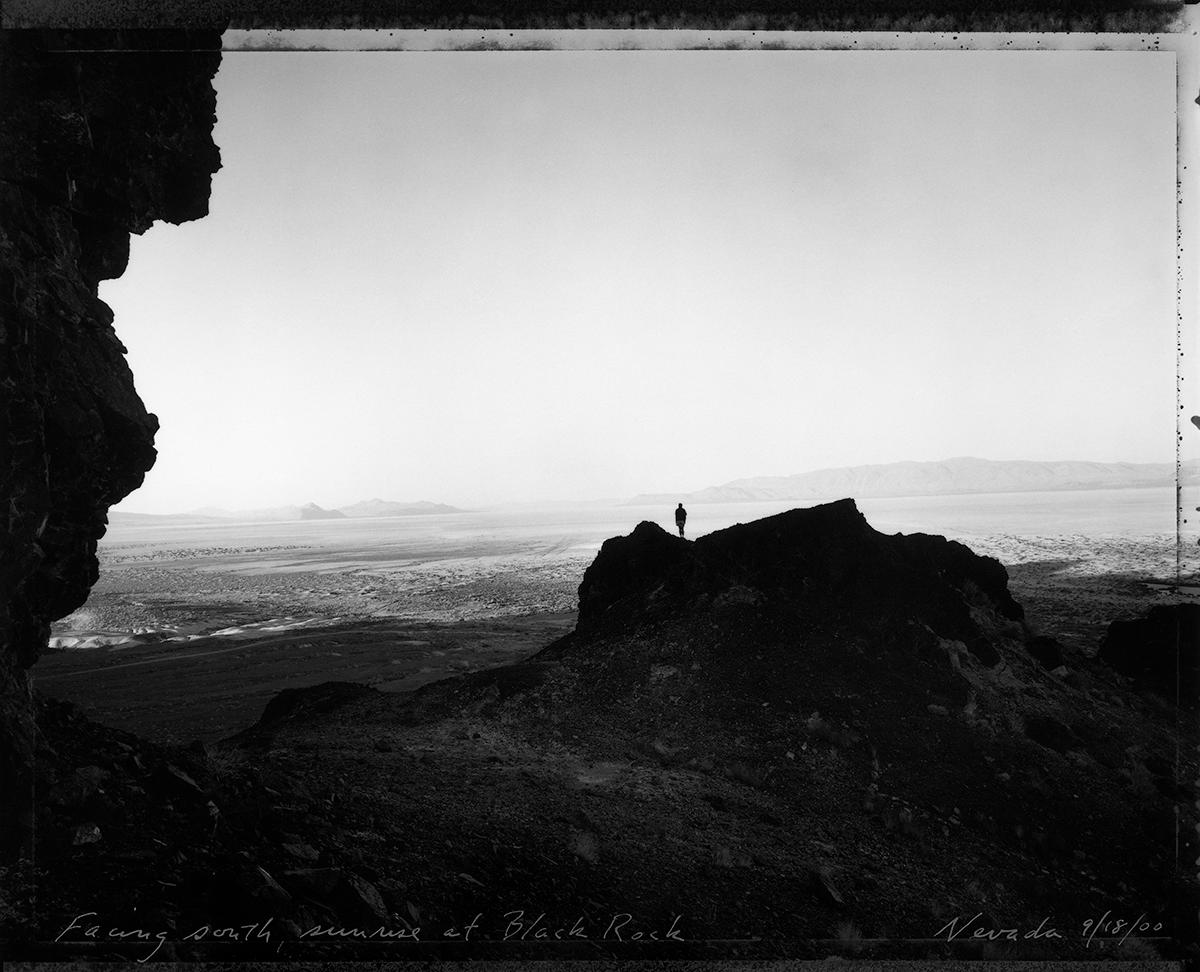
680 518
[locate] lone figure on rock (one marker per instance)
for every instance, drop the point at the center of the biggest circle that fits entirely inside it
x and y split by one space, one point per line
680 518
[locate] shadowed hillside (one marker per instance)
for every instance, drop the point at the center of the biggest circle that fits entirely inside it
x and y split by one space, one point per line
794 737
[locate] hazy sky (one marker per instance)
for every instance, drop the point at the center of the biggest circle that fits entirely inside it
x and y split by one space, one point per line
480 277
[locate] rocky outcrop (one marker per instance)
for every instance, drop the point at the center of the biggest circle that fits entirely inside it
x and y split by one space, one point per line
824 565
778 712
177 838
881 689
798 613
1160 651
101 138
298 705
1047 650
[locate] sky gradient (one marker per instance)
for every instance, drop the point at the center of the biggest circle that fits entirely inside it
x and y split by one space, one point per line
478 278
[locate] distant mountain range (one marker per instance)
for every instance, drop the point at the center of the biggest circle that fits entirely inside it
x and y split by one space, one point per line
950 476
962 475
378 507
309 511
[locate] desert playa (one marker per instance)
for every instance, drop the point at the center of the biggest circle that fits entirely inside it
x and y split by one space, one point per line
796 735
193 626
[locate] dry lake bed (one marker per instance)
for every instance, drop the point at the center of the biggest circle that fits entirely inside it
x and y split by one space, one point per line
194 624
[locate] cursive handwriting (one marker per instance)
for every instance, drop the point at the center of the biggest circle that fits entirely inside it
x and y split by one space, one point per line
958 926
95 932
617 930
1110 927
515 925
1103 929
379 933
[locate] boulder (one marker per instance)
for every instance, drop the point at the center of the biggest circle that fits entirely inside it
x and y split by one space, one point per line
302 851
352 898
296 705
87 833
1046 651
1049 732
173 783
1160 651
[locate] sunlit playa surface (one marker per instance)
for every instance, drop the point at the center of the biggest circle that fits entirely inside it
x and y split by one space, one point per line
176 582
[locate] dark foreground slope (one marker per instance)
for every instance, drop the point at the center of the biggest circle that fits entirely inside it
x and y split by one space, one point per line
793 737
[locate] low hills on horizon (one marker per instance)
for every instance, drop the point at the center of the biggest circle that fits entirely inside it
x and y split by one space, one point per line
896 479
946 477
308 511
780 731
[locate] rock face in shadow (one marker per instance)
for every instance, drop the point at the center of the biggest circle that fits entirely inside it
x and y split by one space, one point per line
811 607
1160 651
824 566
787 711
881 691
293 705
803 613
101 139
1047 650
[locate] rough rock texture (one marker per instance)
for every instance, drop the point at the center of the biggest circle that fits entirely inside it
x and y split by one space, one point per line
172 838
1047 650
813 604
881 691
1160 651
771 732
103 135
826 564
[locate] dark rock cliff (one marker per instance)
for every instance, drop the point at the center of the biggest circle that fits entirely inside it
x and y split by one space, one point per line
826 565
1160 651
811 605
884 690
104 133
768 731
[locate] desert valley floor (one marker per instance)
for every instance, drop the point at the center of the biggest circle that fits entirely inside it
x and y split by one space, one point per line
800 737
193 627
